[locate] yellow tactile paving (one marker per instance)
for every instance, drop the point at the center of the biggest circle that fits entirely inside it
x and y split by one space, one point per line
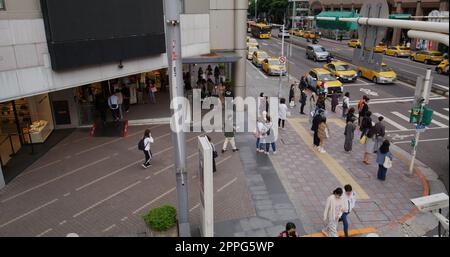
352 232
333 166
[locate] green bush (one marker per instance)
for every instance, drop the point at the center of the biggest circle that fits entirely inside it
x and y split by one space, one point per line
162 218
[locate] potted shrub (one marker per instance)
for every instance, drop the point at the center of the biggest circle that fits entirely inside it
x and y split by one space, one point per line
162 221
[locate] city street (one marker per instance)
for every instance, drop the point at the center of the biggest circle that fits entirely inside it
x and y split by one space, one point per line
392 101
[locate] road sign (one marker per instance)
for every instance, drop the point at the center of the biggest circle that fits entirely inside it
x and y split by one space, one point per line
420 128
282 60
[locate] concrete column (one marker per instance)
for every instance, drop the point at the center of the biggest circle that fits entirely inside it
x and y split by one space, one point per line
397 31
240 31
2 179
419 12
443 5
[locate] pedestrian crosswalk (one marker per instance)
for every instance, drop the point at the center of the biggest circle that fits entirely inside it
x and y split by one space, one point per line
397 121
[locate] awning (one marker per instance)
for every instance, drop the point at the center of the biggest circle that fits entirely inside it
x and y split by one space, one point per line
340 25
404 16
215 57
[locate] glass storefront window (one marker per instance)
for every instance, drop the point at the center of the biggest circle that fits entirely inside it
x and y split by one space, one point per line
2 5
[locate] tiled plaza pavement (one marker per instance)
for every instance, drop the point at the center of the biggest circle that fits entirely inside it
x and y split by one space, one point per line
96 187
309 181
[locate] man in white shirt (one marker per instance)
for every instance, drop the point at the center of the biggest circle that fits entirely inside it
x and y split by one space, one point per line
113 103
349 201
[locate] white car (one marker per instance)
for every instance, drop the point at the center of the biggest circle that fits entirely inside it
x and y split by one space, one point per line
285 33
250 50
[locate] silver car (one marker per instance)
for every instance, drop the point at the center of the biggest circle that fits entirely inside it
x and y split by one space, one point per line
317 53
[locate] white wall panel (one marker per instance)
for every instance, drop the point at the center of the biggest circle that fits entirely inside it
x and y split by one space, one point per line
26 56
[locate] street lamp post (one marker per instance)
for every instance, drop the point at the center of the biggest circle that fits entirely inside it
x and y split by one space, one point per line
282 54
174 57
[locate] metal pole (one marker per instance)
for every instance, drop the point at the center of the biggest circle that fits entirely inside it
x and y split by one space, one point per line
426 85
173 46
2 179
293 26
282 54
256 10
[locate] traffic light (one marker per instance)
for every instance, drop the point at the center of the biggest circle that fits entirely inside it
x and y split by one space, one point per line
421 116
427 117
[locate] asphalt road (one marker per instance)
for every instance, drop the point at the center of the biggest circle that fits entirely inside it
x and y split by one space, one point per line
390 101
403 66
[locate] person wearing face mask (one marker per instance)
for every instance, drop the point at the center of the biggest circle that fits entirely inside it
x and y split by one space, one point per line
332 213
290 231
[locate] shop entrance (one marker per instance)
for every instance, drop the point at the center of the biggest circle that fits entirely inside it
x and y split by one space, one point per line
141 97
25 126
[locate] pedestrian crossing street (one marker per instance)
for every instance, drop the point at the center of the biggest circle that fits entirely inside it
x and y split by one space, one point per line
398 122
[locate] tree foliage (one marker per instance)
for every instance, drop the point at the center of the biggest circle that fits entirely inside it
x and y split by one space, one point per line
271 10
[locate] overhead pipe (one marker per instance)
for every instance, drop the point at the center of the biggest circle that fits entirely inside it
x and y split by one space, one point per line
438 27
438 37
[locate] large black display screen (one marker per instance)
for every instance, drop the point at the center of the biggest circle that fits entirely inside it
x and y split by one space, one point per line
90 32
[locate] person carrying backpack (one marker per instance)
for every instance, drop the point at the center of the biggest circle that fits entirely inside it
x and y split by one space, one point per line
144 145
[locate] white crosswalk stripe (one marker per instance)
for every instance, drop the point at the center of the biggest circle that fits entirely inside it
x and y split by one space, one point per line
391 122
401 116
446 109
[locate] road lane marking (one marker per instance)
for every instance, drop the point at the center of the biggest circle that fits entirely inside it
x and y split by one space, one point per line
381 101
63 222
393 123
45 232
28 213
135 146
106 199
115 140
258 70
393 131
446 109
401 116
55 179
425 140
437 123
66 194
128 166
154 200
109 228
333 166
227 185
445 117
124 219
38 168
195 207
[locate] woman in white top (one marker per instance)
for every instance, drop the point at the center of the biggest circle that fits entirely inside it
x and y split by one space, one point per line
333 212
148 140
282 113
345 104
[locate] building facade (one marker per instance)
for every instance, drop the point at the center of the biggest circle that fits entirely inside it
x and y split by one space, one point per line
413 7
53 64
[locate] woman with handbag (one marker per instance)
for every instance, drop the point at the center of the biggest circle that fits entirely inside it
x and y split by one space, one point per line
369 144
323 134
384 160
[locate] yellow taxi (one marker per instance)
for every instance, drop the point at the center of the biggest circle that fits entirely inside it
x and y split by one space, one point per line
272 66
321 80
311 35
250 50
293 31
354 43
258 57
252 42
380 48
427 57
342 71
398 51
384 76
299 33
442 68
